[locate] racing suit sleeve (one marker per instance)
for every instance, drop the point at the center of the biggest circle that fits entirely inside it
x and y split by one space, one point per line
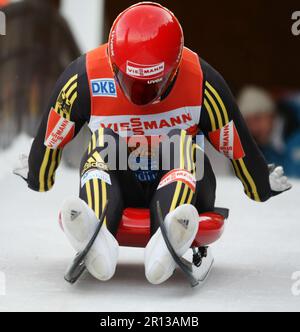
223 125
67 111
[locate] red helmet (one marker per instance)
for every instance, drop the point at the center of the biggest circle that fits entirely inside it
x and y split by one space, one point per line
145 51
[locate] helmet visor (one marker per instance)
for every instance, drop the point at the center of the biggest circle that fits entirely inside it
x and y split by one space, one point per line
141 91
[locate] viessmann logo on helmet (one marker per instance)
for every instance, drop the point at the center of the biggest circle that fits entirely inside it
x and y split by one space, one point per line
145 71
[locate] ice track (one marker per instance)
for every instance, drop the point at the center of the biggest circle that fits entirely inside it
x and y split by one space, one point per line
255 259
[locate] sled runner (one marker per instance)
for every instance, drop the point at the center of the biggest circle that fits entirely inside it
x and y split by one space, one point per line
195 271
134 231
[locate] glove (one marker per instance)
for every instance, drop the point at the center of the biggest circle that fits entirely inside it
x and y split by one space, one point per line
22 167
278 181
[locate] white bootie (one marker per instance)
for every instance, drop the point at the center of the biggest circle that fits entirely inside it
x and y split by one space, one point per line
182 227
79 223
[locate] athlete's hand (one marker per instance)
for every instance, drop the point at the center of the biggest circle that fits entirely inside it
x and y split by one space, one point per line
278 181
22 168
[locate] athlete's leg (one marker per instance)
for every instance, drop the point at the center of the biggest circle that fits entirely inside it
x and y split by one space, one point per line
99 183
80 216
176 193
178 184
172 193
102 180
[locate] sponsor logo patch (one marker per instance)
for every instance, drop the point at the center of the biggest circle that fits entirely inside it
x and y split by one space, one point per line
60 131
227 141
145 71
94 165
178 175
95 174
149 124
104 87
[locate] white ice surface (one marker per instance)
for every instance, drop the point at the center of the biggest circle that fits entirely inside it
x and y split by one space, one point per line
255 259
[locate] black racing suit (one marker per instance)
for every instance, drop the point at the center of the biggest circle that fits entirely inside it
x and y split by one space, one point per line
125 190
